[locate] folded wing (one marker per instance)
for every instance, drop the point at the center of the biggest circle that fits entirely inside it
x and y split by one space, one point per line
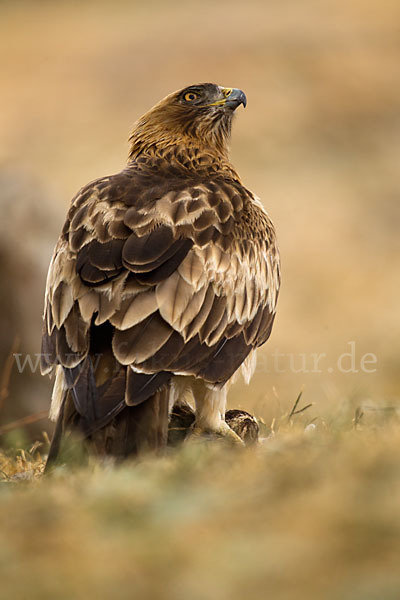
185 279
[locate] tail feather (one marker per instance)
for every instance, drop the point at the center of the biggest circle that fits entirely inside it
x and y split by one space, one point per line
136 429
111 410
140 386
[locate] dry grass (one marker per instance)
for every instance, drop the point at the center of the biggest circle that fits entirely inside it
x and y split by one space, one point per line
311 513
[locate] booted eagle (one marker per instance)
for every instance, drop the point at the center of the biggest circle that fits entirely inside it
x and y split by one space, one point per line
163 283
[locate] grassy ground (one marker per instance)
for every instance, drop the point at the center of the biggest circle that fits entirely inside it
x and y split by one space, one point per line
312 512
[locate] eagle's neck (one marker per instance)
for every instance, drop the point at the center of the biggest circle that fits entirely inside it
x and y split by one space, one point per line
192 148
183 155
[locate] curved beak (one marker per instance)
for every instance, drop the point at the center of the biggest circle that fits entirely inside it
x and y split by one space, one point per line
234 98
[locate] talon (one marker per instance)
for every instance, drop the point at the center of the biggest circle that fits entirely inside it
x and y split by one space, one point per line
227 433
223 431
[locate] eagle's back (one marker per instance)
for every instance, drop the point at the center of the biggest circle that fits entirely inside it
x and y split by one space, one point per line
159 271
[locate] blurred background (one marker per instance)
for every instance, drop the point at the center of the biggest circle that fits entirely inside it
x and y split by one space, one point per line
318 143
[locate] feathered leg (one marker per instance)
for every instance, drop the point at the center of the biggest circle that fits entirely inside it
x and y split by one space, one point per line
210 412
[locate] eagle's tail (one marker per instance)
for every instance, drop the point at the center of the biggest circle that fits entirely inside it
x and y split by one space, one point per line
119 414
136 429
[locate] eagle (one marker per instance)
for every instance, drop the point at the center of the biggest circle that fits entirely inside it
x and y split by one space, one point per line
162 285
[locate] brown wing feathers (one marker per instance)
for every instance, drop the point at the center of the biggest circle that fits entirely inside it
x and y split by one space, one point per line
175 281
189 287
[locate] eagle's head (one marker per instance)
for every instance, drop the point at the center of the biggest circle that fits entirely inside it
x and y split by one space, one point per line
198 116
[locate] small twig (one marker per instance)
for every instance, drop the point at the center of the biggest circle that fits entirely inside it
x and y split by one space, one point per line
177 428
358 415
35 447
24 421
6 374
381 408
297 412
46 437
7 477
292 412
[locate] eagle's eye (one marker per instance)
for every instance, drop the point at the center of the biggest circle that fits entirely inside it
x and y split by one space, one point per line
190 96
227 92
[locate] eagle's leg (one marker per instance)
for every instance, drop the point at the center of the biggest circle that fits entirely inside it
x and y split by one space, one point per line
210 412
